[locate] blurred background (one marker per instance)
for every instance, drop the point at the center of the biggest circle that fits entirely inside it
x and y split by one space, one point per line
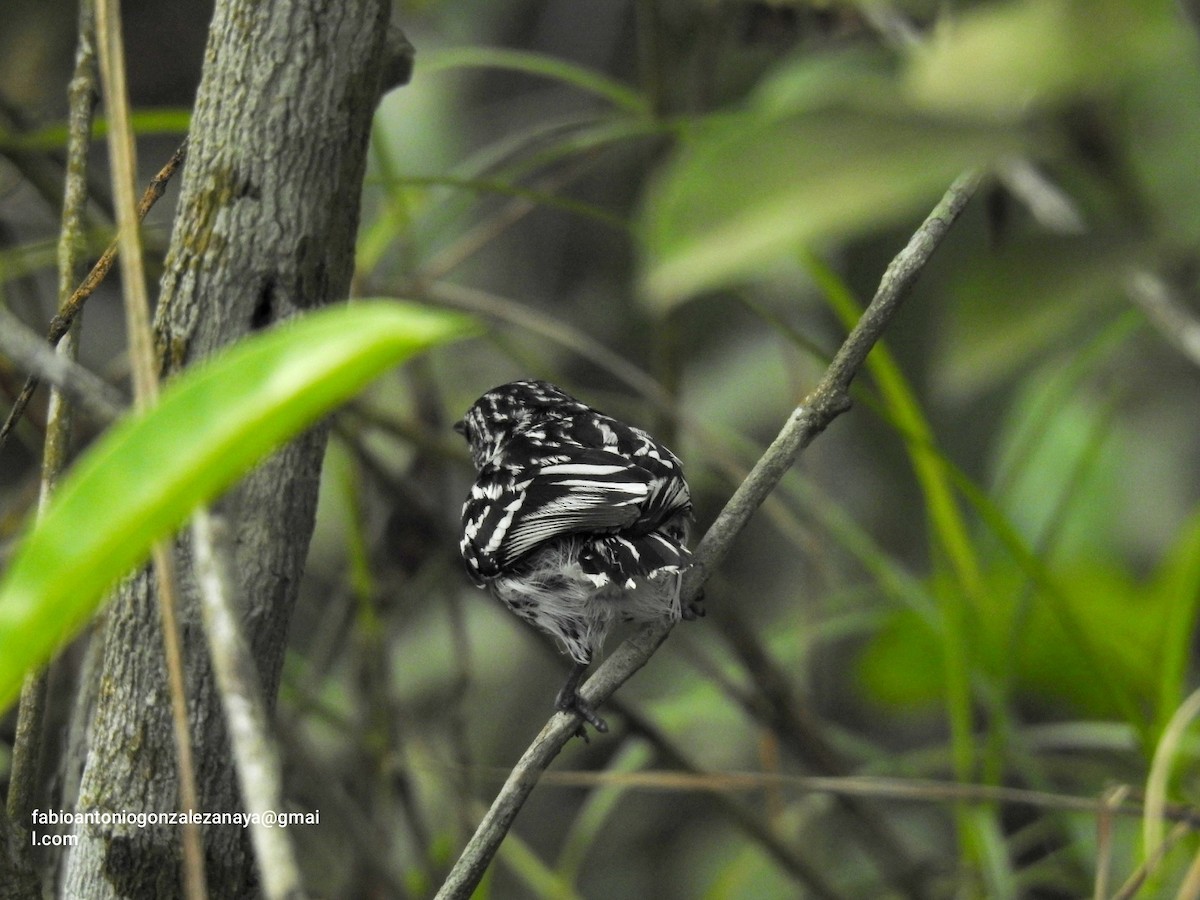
985 574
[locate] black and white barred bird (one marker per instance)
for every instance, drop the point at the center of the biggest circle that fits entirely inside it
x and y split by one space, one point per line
575 521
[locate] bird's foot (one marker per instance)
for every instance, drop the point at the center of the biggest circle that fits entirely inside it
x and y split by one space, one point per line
569 701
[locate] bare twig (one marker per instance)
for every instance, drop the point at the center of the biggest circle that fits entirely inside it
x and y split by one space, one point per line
25 772
829 400
61 322
1112 801
1117 803
1166 312
153 193
30 352
254 747
1052 207
145 384
1137 880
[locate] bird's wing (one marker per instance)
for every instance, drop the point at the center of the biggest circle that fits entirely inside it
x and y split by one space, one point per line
512 509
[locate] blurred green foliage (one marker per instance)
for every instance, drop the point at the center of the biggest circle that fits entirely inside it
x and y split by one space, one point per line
986 573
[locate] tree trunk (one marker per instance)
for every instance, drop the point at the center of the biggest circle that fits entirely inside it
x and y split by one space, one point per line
264 230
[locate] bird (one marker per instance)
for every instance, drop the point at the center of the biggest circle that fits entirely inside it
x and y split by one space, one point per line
575 521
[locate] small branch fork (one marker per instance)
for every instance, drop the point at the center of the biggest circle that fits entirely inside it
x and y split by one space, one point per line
830 399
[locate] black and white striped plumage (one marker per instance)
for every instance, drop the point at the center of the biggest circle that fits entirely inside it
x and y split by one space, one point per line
576 520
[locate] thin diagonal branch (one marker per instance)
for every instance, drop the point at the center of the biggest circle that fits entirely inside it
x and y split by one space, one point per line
255 749
28 351
830 399
1166 312
74 304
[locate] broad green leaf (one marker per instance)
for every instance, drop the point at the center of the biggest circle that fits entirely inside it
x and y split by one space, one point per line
1048 664
1007 59
142 479
751 188
857 78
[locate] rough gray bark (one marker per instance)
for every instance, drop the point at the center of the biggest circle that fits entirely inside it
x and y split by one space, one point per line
264 230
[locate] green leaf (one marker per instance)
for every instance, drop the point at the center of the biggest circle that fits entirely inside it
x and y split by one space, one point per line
538 64
143 478
145 122
1008 59
1051 666
752 188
